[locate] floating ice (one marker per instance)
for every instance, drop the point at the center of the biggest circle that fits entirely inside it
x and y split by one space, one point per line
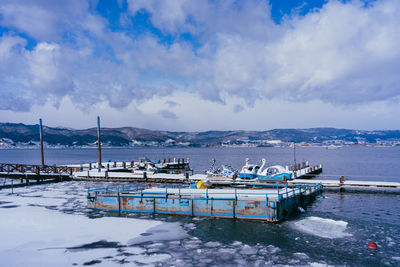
161 232
272 249
190 226
150 258
326 228
300 255
319 264
134 250
237 243
247 250
212 244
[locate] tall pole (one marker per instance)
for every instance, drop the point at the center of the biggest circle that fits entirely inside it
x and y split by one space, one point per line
98 139
294 155
41 140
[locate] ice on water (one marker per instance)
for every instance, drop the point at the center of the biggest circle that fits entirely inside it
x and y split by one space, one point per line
160 232
38 229
322 227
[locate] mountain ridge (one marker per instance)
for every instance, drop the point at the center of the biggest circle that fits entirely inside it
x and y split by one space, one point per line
19 134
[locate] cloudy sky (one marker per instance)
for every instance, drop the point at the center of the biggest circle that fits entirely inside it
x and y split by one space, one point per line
200 65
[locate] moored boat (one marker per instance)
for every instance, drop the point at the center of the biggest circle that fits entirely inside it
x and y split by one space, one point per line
224 171
249 171
273 173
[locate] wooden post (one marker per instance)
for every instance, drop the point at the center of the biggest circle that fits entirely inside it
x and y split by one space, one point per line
98 139
294 156
41 140
341 180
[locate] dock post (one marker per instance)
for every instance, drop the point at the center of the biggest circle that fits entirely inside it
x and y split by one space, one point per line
41 140
294 156
98 140
341 181
119 204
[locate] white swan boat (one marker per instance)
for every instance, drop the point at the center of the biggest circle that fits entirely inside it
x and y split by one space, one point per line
249 171
273 173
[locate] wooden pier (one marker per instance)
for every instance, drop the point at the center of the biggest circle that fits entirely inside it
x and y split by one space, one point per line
38 173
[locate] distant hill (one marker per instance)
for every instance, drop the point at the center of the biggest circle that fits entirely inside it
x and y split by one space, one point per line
21 135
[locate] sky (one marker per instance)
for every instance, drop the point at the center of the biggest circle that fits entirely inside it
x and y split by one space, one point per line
186 65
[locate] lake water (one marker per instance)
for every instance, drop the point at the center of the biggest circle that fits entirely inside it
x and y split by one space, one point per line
49 225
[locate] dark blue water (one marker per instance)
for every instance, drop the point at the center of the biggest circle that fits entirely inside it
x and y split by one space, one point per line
334 230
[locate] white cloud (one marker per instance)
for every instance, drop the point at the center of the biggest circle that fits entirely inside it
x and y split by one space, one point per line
42 19
342 54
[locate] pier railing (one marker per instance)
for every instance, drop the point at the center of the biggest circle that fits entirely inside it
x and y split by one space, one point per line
35 169
231 194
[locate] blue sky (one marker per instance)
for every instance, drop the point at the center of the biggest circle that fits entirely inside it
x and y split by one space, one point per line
201 65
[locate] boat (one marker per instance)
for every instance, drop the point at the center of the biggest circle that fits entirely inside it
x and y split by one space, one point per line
144 165
249 171
228 171
273 173
332 147
224 171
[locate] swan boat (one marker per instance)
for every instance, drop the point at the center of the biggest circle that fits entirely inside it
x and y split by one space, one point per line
249 171
273 173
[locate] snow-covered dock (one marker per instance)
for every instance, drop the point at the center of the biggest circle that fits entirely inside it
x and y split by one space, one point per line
348 184
124 171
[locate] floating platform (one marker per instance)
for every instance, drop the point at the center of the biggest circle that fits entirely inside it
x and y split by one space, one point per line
272 205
